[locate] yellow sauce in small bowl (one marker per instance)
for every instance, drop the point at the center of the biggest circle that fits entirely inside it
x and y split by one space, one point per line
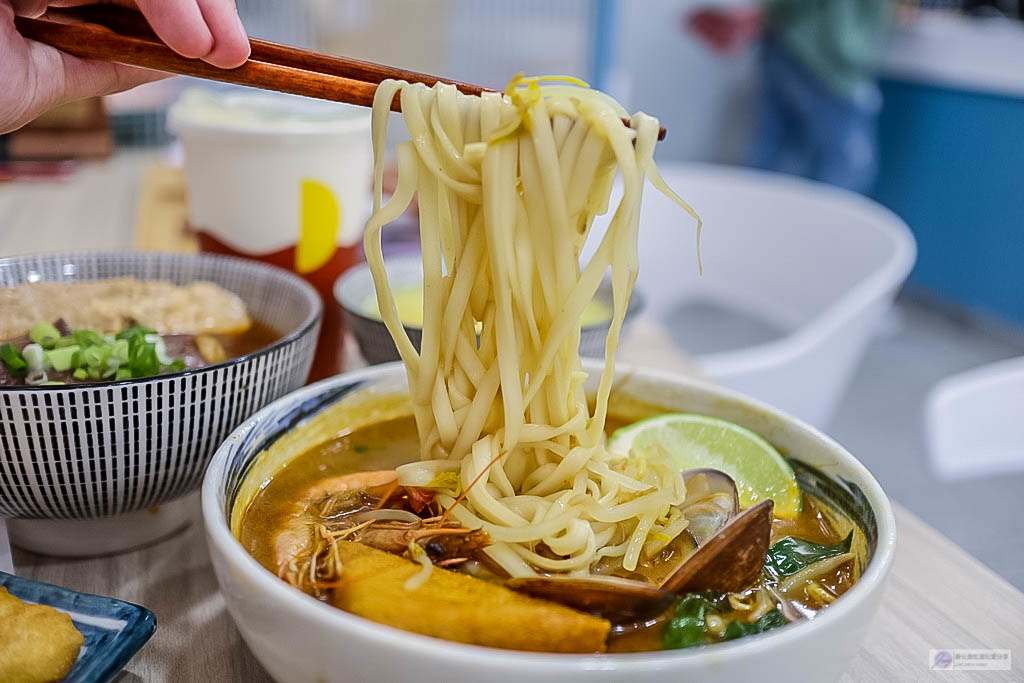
409 301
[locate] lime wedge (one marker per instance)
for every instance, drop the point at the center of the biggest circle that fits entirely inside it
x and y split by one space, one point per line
696 441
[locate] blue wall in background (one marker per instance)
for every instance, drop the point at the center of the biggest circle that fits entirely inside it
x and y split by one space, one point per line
603 18
952 165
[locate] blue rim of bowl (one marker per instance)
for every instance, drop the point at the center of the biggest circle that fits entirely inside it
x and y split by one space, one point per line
314 318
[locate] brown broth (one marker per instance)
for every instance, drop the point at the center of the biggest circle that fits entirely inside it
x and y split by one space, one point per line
381 446
258 336
386 445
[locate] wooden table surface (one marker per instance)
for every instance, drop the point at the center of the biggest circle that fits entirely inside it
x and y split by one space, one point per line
938 596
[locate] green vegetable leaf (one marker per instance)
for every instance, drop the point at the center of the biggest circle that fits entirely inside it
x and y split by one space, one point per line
770 620
689 626
81 373
792 554
683 632
699 604
13 360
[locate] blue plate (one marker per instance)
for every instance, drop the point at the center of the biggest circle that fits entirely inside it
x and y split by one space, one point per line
114 630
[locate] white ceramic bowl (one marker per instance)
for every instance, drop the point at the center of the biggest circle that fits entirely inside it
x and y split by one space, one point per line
298 638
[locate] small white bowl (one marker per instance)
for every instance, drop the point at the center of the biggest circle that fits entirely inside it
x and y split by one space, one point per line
355 295
298 638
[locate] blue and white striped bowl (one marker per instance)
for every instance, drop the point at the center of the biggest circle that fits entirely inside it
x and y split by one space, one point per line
88 452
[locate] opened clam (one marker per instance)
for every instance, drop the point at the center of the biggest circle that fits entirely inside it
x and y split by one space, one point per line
728 554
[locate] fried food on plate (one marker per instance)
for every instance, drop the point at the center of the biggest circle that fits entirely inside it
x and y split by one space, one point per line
37 643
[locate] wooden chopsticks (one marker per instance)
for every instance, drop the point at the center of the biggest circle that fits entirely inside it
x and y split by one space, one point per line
119 34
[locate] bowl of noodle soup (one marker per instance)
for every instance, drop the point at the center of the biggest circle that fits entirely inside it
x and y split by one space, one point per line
300 638
491 508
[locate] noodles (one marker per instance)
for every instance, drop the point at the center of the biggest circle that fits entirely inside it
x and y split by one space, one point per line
508 187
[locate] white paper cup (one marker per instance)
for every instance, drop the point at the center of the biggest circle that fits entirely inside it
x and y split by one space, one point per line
281 179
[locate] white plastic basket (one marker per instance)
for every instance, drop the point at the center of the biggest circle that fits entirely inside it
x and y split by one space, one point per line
820 264
974 422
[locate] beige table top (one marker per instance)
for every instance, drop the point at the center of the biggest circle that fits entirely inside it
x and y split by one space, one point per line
938 595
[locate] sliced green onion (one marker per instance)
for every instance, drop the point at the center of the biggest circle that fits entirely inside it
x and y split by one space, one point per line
120 351
34 358
63 359
36 377
44 334
142 358
135 331
160 346
13 360
134 352
93 356
86 338
176 365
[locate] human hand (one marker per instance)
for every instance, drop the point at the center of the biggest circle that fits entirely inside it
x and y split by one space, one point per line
725 30
38 77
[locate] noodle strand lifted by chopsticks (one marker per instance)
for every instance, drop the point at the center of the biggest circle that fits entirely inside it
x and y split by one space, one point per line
508 186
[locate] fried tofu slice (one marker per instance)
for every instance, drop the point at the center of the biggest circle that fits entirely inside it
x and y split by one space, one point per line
37 643
459 607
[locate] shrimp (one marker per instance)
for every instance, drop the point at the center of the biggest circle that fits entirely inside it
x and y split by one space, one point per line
442 546
442 543
295 535
374 483
330 507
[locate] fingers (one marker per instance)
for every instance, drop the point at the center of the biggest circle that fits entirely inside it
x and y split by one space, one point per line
201 29
230 43
51 77
89 78
29 8
180 25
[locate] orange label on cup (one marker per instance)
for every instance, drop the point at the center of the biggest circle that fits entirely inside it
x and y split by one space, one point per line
319 225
